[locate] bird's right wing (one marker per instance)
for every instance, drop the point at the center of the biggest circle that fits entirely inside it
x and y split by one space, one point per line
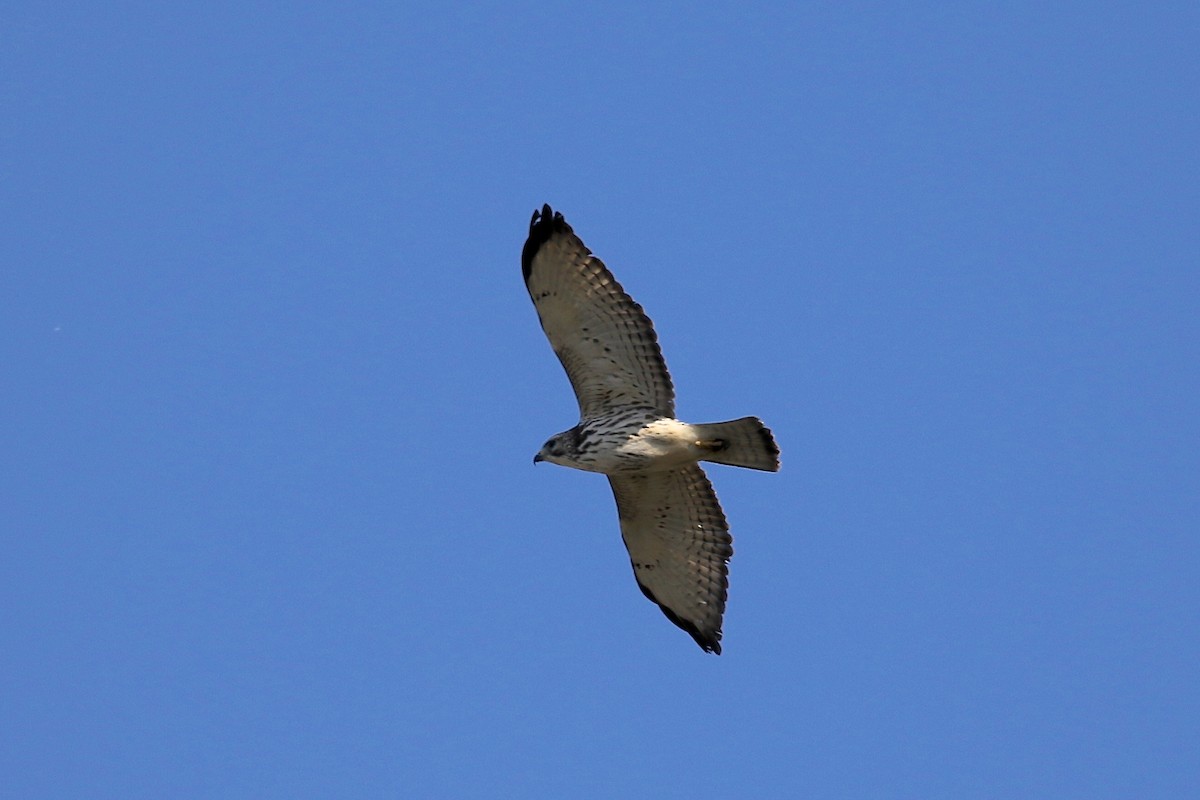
679 545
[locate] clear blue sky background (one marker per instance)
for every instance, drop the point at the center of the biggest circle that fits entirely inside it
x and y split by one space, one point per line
272 386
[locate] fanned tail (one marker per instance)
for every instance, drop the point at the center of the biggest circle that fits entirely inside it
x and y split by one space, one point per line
744 442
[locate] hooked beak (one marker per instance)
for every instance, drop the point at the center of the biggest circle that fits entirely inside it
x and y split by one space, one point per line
538 458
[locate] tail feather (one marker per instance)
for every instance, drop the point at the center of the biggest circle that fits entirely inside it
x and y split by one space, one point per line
744 442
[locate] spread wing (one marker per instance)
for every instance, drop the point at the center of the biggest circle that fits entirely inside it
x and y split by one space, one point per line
679 545
605 341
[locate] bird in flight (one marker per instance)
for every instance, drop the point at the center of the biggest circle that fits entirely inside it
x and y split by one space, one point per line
673 526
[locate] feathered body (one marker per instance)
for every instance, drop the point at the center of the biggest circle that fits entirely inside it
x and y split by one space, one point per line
640 440
672 524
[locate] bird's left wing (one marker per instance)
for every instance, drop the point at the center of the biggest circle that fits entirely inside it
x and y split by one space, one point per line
679 545
605 341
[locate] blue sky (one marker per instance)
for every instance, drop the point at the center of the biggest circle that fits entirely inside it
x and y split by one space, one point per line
273 386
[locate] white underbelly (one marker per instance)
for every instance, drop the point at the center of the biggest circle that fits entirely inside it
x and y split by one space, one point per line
661 445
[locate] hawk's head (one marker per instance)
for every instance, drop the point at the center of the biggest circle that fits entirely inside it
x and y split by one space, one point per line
559 449
563 449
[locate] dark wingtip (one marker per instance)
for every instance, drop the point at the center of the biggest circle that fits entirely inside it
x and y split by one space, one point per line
544 224
710 642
